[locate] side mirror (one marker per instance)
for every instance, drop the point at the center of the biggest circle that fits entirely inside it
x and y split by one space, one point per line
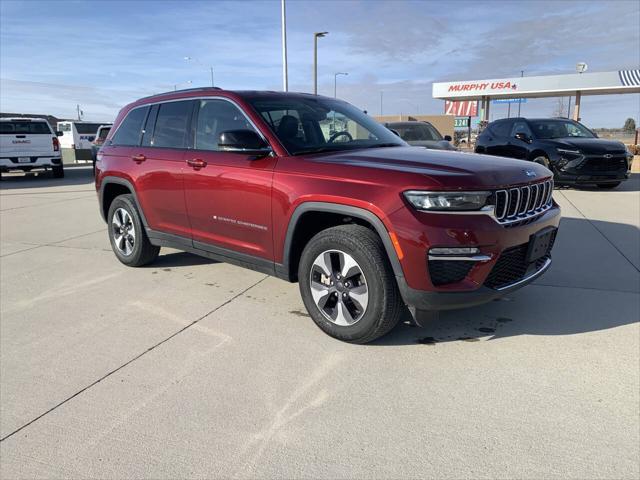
59 133
247 142
595 134
448 138
523 136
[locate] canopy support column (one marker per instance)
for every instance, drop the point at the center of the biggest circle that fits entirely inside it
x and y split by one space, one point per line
576 108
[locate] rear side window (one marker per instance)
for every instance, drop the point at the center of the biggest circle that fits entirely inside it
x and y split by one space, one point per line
24 128
500 129
171 125
128 134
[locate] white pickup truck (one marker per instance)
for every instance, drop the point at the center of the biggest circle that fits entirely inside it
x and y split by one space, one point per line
27 144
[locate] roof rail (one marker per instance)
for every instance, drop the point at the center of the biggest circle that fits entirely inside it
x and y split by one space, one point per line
195 89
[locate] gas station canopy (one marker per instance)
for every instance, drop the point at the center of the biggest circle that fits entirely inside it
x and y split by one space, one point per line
578 84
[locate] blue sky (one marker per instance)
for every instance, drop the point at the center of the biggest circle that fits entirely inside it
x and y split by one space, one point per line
104 54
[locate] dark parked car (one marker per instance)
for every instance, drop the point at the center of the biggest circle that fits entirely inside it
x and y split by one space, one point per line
421 134
574 153
365 223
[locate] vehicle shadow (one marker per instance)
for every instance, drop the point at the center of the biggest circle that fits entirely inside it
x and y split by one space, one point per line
40 179
179 259
592 285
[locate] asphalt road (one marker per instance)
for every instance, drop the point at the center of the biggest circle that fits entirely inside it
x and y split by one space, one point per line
193 369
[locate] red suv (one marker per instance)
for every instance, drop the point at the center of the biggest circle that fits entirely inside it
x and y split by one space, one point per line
310 189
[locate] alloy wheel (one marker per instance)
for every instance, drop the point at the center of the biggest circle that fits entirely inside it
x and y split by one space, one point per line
123 231
339 287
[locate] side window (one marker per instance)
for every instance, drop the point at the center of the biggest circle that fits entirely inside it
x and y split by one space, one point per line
171 124
214 117
501 129
521 127
128 134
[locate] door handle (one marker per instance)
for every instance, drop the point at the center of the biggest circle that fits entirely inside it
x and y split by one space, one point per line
196 163
138 158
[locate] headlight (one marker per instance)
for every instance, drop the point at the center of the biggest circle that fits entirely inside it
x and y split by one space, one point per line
443 201
563 151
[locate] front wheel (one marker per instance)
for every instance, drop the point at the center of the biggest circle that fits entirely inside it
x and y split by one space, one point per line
544 161
608 186
128 238
347 284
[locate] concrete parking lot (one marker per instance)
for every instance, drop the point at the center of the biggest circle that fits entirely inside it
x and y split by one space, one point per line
191 368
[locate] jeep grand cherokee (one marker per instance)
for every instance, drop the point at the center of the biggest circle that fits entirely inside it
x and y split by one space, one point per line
310 189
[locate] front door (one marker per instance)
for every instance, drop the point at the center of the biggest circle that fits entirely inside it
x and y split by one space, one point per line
228 195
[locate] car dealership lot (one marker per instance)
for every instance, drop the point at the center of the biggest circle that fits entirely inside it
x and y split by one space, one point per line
191 368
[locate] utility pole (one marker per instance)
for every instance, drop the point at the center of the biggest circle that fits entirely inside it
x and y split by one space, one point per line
285 73
316 35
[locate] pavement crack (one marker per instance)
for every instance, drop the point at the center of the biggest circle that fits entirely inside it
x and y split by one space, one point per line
130 361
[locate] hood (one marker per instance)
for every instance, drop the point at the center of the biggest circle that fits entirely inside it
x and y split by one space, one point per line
433 144
439 168
588 145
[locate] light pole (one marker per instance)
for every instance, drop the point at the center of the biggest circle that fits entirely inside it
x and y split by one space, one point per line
520 100
202 65
381 103
335 82
285 73
316 35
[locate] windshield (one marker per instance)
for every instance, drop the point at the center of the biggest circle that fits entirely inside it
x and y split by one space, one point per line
309 125
559 129
418 131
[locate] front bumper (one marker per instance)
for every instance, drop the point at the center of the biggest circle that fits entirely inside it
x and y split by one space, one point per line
11 163
480 284
423 300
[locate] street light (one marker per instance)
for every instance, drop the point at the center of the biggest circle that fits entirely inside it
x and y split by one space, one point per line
202 65
316 35
335 82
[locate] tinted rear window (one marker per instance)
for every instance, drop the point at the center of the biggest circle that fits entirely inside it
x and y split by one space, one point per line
86 128
128 134
22 128
501 129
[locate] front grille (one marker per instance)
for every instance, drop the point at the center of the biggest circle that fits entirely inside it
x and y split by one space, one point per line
598 163
444 272
512 266
519 205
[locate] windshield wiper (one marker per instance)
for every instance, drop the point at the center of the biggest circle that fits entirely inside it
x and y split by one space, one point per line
382 145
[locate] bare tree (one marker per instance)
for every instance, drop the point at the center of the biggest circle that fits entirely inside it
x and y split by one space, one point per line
560 108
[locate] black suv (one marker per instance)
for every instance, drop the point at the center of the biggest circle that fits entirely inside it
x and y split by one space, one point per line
574 153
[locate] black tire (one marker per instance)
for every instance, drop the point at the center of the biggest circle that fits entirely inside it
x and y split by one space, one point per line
385 306
141 251
608 186
542 160
58 171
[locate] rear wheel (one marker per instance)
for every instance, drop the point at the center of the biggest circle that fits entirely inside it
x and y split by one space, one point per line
58 171
347 284
608 186
128 238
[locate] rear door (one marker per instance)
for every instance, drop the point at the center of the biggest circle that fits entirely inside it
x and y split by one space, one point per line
498 137
26 139
229 195
159 164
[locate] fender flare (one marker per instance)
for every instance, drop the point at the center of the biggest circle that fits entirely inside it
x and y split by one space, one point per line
346 210
120 181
